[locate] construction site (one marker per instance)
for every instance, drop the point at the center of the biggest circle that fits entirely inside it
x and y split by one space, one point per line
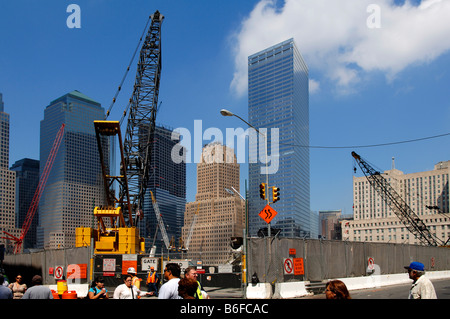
115 243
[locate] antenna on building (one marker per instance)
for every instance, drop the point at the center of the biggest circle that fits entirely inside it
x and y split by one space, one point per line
393 162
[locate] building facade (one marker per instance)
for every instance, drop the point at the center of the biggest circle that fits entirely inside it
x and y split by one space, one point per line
7 184
426 193
278 100
330 226
27 180
217 213
74 186
167 182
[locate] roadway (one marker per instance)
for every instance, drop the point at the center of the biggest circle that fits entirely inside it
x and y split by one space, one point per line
442 287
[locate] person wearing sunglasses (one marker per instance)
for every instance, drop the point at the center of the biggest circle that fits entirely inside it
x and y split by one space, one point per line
169 290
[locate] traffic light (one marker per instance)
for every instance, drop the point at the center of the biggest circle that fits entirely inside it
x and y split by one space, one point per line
262 191
275 194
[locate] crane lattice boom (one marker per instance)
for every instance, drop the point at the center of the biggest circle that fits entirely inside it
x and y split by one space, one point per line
406 215
38 193
160 221
141 118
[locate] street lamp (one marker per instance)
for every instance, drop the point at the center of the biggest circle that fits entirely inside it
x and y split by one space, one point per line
225 112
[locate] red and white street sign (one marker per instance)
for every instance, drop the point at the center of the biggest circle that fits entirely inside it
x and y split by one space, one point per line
288 266
59 272
370 263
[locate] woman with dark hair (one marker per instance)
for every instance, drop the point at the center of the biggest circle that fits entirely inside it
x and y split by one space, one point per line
97 290
187 288
128 291
336 289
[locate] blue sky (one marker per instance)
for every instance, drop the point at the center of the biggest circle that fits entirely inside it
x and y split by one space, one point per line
368 85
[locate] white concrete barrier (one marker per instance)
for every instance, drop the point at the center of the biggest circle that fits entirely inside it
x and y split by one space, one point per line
375 281
285 290
298 289
259 291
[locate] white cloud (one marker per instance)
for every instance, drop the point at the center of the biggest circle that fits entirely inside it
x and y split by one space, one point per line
335 39
314 86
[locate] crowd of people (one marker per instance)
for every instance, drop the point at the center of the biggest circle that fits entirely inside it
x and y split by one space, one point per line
186 287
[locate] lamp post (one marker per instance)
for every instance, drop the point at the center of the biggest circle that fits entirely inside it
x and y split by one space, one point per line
225 112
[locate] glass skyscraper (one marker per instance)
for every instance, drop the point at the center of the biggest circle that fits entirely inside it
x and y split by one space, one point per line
74 186
27 180
167 181
278 98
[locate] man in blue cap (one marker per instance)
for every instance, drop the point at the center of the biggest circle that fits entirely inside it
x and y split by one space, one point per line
421 288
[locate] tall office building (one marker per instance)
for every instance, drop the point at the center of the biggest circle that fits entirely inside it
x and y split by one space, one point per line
278 99
74 186
7 183
330 226
27 180
217 213
426 193
167 181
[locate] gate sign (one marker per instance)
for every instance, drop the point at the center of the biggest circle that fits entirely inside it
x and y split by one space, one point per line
59 272
268 213
147 262
288 266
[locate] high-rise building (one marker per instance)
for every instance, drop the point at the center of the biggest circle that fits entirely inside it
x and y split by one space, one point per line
426 193
167 181
74 186
330 227
7 182
218 212
278 100
27 180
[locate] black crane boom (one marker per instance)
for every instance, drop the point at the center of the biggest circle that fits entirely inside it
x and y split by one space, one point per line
406 215
140 130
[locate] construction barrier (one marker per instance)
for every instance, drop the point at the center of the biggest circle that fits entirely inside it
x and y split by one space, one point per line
259 291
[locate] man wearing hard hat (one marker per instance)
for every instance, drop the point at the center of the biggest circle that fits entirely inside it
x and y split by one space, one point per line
153 281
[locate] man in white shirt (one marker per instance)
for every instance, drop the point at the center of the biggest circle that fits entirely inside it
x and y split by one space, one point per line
169 290
422 287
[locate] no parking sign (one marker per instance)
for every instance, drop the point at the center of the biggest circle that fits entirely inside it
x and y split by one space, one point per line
370 263
59 272
288 266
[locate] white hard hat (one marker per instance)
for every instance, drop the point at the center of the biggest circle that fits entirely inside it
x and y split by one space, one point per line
131 270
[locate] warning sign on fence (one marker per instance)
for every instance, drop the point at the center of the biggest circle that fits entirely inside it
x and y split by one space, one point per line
293 266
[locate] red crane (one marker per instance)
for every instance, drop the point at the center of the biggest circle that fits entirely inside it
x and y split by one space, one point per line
38 193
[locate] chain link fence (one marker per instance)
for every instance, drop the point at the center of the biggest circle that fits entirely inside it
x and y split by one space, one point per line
322 260
326 259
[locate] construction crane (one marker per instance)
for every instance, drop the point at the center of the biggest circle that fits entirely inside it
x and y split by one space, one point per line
406 215
191 229
38 193
140 131
117 221
161 225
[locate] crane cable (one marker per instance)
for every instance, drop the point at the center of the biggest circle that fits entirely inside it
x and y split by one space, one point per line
125 75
